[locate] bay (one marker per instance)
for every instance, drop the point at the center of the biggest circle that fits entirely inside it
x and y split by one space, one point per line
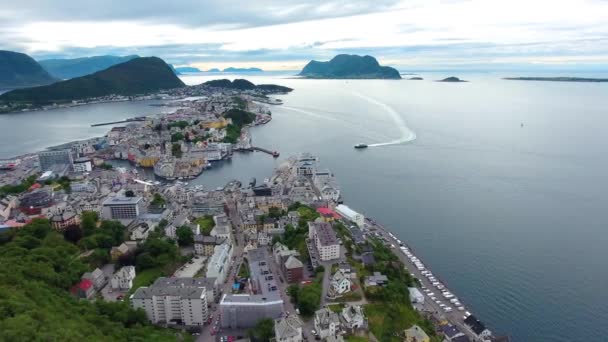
510 216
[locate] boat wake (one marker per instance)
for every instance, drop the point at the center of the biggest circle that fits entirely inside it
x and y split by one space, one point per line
407 134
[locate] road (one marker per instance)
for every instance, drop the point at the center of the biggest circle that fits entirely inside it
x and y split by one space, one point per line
455 317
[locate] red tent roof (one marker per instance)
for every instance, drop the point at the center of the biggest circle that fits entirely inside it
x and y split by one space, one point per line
85 284
35 186
327 212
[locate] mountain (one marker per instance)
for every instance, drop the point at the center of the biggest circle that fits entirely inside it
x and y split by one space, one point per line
173 69
76 67
20 70
349 66
138 76
214 70
242 84
187 69
232 69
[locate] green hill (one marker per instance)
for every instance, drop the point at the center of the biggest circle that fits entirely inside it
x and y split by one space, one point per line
76 67
137 76
349 66
20 70
242 84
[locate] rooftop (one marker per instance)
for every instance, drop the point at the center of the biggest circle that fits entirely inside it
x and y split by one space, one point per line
325 233
121 200
193 288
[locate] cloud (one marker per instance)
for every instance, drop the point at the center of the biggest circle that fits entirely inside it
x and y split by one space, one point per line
405 33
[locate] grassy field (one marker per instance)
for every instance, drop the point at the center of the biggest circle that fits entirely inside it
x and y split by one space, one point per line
336 307
356 339
145 278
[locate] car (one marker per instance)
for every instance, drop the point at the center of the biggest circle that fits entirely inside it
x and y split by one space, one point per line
313 332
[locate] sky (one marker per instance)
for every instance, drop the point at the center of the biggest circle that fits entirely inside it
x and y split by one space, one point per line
285 35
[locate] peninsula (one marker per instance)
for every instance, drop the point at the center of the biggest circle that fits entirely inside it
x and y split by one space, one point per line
242 84
137 76
557 79
349 67
19 70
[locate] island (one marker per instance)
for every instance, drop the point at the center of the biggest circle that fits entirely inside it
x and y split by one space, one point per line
214 70
557 79
137 76
233 69
415 78
76 67
242 84
349 67
452 79
20 70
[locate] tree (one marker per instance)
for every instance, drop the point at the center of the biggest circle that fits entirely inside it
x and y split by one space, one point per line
263 331
176 150
185 236
88 222
157 200
73 234
129 193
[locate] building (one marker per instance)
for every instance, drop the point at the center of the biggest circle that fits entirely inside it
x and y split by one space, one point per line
245 310
97 278
339 285
416 334
205 245
306 165
222 226
293 269
65 219
288 329
326 323
327 214
325 240
124 248
353 318
123 279
179 301
121 208
82 165
141 232
376 279
477 327
56 160
350 215
218 265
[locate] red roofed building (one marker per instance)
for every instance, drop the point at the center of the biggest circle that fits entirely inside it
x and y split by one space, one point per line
327 214
35 186
84 289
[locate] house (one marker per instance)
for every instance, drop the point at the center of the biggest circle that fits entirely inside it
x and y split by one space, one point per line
327 214
477 327
452 334
65 219
84 289
178 221
376 279
96 277
339 285
416 296
269 224
326 323
123 279
264 239
288 329
124 248
353 318
416 334
141 232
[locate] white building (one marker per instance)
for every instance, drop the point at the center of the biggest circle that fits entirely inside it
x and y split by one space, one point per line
83 165
217 267
416 296
222 226
173 301
353 317
326 323
121 208
123 279
325 240
350 215
340 284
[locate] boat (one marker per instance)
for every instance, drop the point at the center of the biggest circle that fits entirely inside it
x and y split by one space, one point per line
275 154
361 146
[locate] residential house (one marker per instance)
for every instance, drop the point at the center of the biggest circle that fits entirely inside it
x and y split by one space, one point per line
205 245
353 318
477 327
376 279
288 329
61 221
263 239
97 277
84 289
123 279
293 269
416 334
124 248
339 285
326 323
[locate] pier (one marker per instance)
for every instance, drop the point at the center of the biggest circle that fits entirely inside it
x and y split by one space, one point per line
117 122
275 154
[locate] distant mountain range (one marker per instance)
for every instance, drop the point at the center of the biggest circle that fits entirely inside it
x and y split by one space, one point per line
241 84
137 76
76 67
187 69
19 70
232 69
349 67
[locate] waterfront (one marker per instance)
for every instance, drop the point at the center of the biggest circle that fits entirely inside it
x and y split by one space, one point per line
510 217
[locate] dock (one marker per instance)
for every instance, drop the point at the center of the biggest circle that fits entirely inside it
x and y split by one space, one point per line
275 154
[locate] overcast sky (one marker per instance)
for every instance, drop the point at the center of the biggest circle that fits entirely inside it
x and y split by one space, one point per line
410 34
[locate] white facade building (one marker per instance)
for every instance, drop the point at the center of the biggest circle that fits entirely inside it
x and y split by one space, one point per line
219 263
351 215
173 301
123 279
325 240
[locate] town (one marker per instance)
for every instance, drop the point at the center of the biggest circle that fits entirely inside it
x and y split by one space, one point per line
285 260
